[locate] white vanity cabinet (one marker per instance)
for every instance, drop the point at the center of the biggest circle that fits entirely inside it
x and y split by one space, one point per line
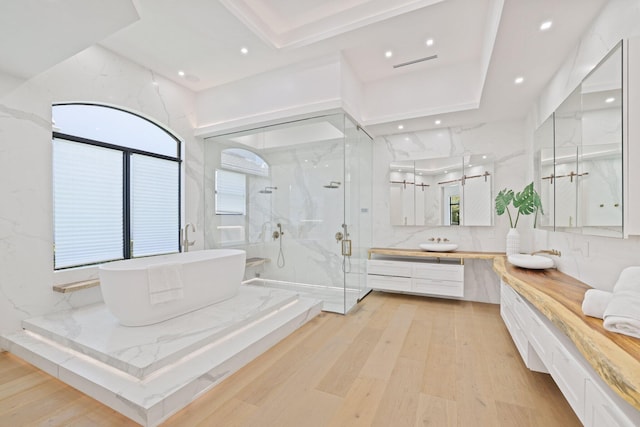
544 348
423 278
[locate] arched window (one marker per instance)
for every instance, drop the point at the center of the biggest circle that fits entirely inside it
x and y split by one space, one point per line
116 186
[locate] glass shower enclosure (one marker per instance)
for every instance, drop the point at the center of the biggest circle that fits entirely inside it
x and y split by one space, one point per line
297 197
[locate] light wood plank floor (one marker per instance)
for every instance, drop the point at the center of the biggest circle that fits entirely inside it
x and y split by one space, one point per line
396 360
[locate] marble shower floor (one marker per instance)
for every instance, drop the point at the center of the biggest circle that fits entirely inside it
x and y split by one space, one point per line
332 297
148 373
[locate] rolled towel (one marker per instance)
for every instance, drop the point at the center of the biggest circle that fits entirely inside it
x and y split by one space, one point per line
622 315
595 302
629 279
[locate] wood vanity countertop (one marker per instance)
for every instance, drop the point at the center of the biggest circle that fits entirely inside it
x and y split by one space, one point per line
615 357
417 253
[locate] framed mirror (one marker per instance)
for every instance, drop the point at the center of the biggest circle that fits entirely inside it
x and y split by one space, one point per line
447 191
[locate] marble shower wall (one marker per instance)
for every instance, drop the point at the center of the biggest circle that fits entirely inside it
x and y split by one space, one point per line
595 260
26 217
309 213
506 142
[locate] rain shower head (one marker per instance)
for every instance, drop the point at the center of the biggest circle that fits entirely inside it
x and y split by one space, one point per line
333 184
267 190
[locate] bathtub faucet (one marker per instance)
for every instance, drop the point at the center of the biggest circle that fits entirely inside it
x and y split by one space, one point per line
184 236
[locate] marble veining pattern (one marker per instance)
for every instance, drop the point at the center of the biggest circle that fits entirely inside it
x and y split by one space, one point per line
26 227
332 297
140 351
153 399
594 260
504 140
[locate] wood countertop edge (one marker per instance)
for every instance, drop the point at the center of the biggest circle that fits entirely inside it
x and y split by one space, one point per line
418 253
617 367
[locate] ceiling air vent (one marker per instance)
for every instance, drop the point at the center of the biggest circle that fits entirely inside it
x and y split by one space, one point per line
415 61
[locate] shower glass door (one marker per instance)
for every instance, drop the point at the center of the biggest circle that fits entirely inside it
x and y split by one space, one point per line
306 187
357 213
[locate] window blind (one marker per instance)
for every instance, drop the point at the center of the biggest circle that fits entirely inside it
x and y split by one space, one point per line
88 204
230 195
154 206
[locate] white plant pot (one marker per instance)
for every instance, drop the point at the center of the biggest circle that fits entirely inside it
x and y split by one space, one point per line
513 242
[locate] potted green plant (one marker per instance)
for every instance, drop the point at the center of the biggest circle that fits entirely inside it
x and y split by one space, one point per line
526 202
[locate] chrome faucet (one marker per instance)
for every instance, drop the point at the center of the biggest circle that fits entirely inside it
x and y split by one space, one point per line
548 251
184 236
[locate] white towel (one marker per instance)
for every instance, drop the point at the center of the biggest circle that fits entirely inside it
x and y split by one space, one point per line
623 312
165 283
629 279
595 302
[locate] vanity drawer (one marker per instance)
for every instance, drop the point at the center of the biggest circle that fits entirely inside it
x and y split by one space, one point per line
540 336
438 287
389 283
389 268
569 375
515 330
438 271
602 410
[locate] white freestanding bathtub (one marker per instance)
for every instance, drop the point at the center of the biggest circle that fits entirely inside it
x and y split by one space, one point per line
149 290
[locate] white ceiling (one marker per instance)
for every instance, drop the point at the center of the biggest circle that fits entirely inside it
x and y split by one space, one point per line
35 34
203 38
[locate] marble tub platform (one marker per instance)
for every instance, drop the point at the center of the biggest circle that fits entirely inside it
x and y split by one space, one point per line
150 372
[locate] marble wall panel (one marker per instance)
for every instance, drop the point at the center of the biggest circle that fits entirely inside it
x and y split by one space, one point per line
506 142
595 260
26 217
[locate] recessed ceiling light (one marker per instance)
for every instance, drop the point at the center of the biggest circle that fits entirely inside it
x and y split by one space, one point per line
388 54
469 165
446 171
519 80
181 73
609 100
406 138
155 83
419 173
438 122
545 25
399 170
484 157
244 50
429 42
400 127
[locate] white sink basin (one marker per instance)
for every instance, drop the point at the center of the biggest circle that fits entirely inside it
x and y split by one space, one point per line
535 262
439 247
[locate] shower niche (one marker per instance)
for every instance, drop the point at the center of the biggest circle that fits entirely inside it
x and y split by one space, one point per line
295 196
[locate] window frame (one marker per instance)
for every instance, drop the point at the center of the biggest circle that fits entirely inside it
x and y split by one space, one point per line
127 152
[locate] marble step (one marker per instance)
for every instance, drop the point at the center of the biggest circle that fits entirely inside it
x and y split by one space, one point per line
152 400
140 351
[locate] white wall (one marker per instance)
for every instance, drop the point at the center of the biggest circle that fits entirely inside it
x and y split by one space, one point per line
26 224
448 89
274 95
595 260
506 142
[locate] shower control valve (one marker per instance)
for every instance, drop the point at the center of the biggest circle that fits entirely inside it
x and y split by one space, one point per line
275 235
339 236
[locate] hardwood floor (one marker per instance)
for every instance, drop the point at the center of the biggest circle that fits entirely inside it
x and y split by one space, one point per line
396 360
